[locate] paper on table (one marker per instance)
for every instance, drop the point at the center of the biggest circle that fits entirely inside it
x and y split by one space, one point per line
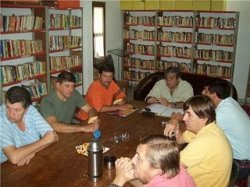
123 113
161 110
83 149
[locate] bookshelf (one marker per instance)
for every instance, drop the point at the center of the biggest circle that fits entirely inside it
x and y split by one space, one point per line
22 49
37 43
65 43
199 42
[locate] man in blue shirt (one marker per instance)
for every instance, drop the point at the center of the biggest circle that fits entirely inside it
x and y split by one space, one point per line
233 120
24 132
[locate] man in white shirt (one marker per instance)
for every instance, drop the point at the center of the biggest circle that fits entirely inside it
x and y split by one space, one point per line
171 91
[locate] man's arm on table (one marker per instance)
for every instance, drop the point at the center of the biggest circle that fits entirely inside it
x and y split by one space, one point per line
70 128
173 126
116 107
24 154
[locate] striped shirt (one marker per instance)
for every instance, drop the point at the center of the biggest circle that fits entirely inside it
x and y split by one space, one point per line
36 127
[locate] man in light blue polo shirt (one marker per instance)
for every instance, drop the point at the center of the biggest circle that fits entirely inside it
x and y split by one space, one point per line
24 132
233 120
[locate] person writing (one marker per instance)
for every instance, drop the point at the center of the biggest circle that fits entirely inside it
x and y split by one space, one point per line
171 91
104 94
58 108
24 132
156 163
203 156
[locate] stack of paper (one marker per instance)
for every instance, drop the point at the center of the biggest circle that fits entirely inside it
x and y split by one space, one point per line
161 110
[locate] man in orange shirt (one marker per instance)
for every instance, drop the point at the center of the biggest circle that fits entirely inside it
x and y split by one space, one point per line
104 94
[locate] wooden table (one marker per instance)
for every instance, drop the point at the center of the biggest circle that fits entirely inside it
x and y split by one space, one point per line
60 164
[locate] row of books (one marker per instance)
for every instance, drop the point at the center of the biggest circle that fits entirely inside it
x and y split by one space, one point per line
140 49
64 62
211 70
178 21
64 42
36 89
143 35
216 55
135 75
139 20
21 72
182 21
155 65
20 23
58 21
14 48
181 37
215 39
217 22
174 51
185 37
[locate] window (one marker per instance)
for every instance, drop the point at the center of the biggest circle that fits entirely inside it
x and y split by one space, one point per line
98 29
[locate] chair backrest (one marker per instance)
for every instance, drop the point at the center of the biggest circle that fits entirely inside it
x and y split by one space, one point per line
107 59
197 81
234 174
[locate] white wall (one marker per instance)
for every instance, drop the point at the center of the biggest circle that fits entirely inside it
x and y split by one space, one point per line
113 35
242 60
114 31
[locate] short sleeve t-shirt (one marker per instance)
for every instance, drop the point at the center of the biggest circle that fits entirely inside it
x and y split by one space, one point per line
64 111
36 127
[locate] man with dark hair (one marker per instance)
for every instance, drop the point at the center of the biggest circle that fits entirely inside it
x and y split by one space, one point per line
208 155
233 120
155 164
104 94
24 132
58 108
171 91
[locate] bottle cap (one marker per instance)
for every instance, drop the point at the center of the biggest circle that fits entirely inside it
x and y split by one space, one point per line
97 134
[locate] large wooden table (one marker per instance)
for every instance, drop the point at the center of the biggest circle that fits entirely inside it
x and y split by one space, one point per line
60 164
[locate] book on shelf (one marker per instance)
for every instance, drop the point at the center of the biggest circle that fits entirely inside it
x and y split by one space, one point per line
36 89
161 110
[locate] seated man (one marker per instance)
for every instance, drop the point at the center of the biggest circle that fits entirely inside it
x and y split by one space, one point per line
24 132
155 164
234 121
208 155
171 91
58 108
104 94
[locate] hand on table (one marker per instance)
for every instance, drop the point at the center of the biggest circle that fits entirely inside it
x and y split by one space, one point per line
26 160
152 100
164 102
124 171
171 128
91 127
125 107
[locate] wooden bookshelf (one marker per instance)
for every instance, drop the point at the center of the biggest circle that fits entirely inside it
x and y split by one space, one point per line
199 42
65 42
22 51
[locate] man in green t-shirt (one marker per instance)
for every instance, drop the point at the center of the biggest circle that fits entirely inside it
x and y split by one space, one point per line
58 108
